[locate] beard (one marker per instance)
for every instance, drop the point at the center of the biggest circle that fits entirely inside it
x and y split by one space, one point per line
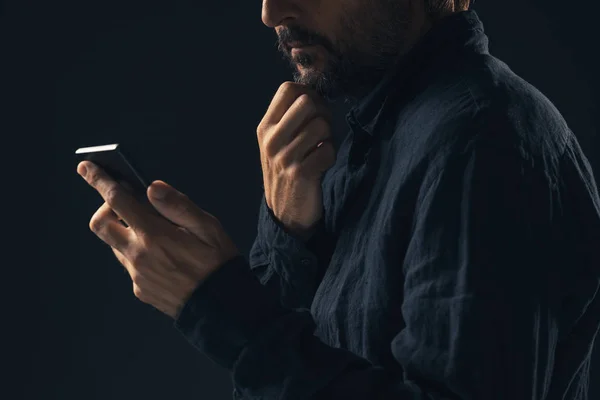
370 38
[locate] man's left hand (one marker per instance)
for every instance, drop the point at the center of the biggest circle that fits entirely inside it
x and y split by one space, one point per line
167 258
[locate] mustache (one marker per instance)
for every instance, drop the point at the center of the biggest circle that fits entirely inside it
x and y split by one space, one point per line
294 35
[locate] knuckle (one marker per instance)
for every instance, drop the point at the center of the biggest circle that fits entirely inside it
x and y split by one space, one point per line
139 293
285 158
112 194
279 161
96 224
270 146
306 102
93 177
261 129
136 278
294 172
288 87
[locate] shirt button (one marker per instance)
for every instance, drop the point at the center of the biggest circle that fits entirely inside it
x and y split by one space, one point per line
306 261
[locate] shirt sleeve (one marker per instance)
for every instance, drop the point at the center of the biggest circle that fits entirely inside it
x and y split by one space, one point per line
480 314
286 265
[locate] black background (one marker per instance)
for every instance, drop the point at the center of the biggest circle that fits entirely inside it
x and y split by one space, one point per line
184 83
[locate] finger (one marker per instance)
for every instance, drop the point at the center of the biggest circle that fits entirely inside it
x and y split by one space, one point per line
106 225
313 105
106 208
302 111
181 210
119 199
315 132
285 96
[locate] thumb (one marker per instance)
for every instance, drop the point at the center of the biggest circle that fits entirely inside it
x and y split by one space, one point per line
177 207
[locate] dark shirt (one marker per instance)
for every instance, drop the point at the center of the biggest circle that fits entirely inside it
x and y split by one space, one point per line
458 256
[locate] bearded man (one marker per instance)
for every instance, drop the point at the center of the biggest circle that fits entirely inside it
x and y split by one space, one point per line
448 249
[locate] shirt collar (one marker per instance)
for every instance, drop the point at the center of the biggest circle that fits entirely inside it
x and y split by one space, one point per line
451 35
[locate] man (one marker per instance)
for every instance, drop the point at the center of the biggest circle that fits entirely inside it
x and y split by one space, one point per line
447 250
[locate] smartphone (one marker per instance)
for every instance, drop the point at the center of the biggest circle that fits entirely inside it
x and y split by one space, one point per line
119 165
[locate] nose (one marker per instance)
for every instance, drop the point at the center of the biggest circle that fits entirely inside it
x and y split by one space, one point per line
274 12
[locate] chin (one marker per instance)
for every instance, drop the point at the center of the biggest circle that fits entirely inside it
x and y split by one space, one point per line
308 76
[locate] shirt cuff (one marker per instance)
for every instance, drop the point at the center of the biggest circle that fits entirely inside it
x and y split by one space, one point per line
226 311
273 236
271 231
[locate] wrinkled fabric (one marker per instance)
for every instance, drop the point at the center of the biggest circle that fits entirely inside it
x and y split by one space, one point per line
458 256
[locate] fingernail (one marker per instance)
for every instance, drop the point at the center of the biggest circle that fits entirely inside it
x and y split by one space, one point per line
160 192
82 171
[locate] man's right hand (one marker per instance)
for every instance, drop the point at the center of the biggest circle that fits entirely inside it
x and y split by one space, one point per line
296 148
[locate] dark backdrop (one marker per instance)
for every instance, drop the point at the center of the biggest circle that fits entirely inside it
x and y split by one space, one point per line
185 83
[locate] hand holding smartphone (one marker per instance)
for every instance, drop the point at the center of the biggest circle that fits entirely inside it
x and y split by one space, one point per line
119 165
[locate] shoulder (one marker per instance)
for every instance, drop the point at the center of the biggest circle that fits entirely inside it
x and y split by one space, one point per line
525 112
481 100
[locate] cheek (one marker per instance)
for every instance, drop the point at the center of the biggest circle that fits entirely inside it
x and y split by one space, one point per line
352 24
334 18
